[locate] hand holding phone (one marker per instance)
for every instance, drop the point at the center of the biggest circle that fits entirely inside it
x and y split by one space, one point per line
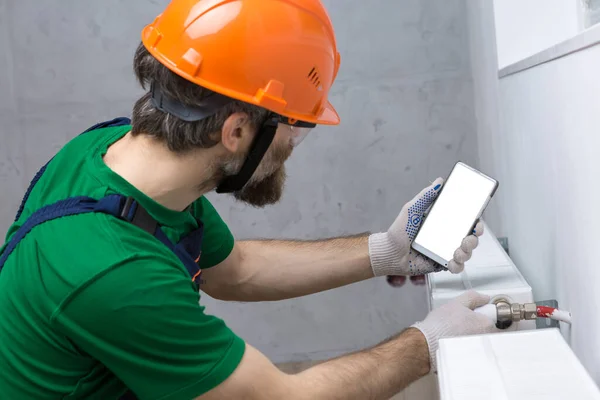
454 214
391 253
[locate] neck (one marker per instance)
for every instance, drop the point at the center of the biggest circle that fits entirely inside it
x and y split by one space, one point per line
172 180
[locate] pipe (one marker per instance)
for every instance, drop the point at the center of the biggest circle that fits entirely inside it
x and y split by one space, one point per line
554 313
504 314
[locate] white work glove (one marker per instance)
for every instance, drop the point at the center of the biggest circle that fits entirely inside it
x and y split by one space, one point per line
390 251
455 319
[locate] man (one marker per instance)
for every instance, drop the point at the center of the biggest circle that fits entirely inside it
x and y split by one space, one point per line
99 286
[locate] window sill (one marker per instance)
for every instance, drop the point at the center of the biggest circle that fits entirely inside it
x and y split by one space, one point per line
586 39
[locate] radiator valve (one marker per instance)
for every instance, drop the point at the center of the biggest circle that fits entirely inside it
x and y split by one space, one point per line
504 313
515 312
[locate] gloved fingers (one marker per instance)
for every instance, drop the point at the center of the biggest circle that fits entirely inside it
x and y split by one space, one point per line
438 268
416 208
486 325
461 256
422 201
478 231
418 264
473 299
455 267
469 244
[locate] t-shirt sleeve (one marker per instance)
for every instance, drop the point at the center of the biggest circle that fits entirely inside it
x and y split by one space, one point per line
217 242
143 321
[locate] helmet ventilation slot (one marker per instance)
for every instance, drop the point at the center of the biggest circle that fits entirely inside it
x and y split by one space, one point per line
314 78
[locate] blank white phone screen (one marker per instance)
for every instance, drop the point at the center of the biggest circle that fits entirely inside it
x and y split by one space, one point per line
452 216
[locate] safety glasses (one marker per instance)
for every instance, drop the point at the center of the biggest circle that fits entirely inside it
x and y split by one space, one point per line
274 123
296 130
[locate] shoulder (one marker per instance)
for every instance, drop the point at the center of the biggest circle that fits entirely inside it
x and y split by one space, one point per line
203 208
218 240
72 252
142 319
82 142
112 265
133 282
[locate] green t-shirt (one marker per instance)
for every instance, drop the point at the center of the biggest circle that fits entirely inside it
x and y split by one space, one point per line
90 304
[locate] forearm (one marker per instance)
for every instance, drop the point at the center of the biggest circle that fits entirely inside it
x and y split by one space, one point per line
277 269
377 373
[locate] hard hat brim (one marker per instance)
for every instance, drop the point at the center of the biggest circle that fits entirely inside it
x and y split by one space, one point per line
328 117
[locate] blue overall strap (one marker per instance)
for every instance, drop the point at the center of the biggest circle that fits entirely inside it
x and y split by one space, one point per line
188 249
114 122
72 206
126 208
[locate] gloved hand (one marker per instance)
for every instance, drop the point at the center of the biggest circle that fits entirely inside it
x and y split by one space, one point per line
390 251
455 319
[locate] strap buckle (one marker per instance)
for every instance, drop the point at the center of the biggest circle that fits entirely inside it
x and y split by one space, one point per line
126 209
133 212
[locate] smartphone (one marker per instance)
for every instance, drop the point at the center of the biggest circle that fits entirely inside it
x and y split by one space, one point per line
454 214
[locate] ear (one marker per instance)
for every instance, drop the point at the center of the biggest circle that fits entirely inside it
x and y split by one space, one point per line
237 134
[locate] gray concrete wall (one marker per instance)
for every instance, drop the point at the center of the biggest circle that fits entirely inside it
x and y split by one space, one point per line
404 94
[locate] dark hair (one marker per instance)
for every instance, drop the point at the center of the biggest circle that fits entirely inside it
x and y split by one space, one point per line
179 135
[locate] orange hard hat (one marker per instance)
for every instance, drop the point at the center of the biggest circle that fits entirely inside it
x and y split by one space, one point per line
277 54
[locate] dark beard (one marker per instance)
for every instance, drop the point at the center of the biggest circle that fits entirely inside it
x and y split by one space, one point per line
264 192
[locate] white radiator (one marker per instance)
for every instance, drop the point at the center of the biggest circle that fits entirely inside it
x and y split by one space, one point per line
524 365
490 271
